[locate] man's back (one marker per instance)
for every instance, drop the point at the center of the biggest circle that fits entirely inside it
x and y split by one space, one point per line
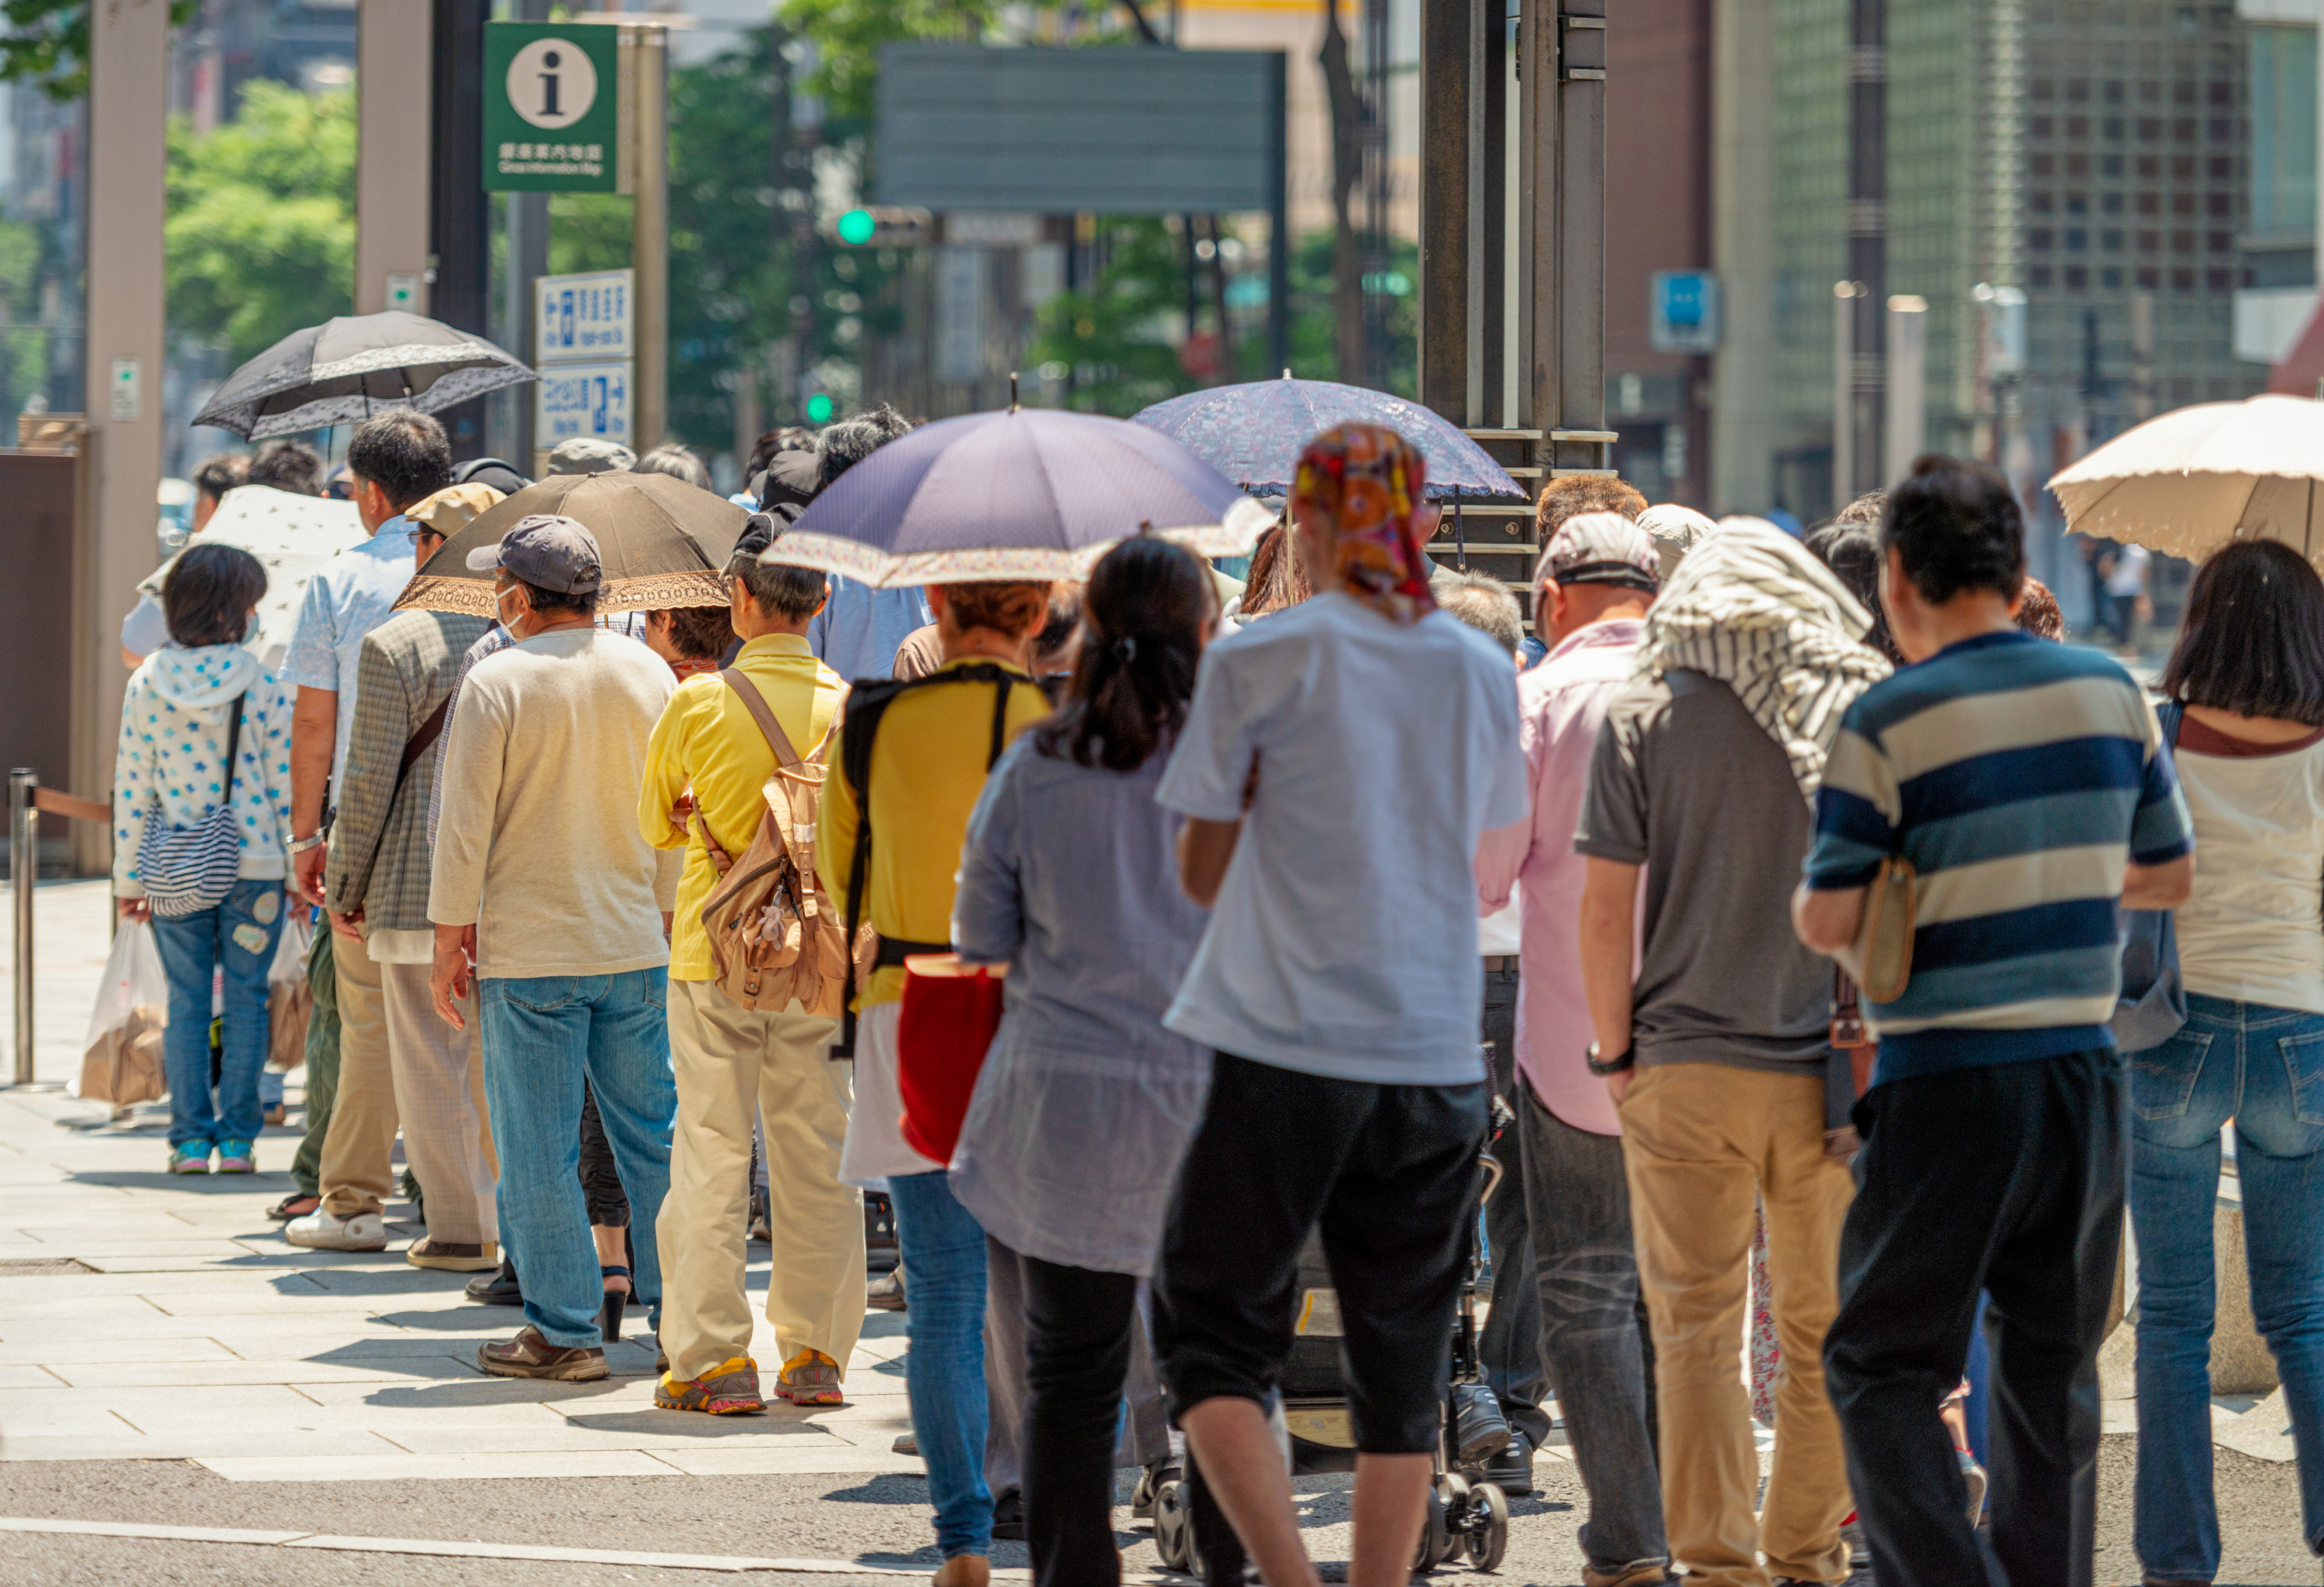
1686 783
540 817
2018 777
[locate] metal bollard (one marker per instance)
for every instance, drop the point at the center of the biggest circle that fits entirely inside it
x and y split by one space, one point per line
23 875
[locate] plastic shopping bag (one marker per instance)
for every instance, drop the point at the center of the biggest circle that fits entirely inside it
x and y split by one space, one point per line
289 1000
121 1057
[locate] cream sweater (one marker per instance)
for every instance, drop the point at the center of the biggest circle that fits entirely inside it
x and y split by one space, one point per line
538 844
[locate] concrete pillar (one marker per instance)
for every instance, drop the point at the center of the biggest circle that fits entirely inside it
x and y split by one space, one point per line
394 77
1745 427
128 98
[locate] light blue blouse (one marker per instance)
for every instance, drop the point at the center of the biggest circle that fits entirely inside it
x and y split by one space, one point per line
1085 1104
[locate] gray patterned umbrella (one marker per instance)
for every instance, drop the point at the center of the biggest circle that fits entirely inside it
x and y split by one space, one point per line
345 370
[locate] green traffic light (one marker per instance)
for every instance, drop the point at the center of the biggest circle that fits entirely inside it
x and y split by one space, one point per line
818 407
856 227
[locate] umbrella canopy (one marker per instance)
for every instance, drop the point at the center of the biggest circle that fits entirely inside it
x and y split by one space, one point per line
343 370
292 536
2192 480
660 542
1032 492
1254 433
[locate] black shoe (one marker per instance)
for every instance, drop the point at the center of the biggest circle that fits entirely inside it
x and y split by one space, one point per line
1511 1470
1149 1483
497 1289
1008 1518
761 1226
1479 1431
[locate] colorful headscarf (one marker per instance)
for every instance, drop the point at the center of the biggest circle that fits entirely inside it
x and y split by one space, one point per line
1359 486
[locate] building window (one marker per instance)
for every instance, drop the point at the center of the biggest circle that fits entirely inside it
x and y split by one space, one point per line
2039 275
2150 92
2110 279
2114 92
2111 203
2283 131
2220 281
2078 280
2078 128
2077 240
2183 92
2223 94
2182 281
2150 202
2150 242
2112 127
2221 205
2042 126
2078 203
2222 168
2110 164
2042 164
2150 168
2222 129
2182 168
2111 240
2220 241
2039 239
2182 242
2183 129
2040 88
2077 165
2147 276
2182 203
2041 203
2078 90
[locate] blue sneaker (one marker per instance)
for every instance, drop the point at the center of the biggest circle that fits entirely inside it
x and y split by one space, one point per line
236 1157
192 1156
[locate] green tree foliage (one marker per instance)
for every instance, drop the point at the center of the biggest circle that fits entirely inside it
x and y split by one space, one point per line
46 44
847 35
261 232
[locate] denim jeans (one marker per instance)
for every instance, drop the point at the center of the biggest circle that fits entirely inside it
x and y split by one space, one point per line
238 935
942 1251
542 1035
2264 1067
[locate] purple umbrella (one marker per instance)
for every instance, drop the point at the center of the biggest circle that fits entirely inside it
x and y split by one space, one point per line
1254 433
1032 492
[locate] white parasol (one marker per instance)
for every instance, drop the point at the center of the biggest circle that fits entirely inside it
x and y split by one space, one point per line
292 536
2192 480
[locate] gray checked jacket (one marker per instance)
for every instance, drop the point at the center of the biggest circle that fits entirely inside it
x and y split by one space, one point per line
379 844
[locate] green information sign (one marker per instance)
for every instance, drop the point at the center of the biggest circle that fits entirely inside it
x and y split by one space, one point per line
552 107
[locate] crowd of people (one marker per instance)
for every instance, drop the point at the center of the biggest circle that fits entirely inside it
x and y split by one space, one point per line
1774 884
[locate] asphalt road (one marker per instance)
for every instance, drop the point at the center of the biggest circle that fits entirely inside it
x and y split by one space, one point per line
879 1520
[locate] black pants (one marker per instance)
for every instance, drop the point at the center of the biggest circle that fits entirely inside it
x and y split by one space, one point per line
601 1182
2007 1178
1077 1329
1388 1174
1510 1345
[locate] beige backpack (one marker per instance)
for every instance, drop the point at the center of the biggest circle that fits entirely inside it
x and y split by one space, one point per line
772 930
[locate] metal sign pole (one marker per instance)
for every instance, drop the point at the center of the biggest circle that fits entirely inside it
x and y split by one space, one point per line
649 234
24 874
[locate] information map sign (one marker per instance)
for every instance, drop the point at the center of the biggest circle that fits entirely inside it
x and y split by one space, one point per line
581 399
586 316
552 107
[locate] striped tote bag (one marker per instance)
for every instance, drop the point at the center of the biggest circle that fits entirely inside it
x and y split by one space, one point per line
189 869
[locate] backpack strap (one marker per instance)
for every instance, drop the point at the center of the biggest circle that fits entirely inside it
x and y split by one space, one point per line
756 703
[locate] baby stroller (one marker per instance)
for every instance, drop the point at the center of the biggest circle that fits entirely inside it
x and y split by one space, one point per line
1468 1516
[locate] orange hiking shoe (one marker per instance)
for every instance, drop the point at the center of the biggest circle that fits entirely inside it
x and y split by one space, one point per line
809 1377
733 1390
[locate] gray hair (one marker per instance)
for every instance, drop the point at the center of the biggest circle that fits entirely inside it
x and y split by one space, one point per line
1485 604
781 590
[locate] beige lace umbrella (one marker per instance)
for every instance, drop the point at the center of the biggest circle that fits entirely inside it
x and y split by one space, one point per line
660 542
2191 481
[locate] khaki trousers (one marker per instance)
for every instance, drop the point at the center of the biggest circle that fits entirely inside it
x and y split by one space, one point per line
733 1063
358 1175
1700 1142
439 1094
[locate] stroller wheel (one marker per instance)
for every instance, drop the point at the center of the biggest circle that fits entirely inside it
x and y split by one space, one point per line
1173 1526
1436 1541
1485 1526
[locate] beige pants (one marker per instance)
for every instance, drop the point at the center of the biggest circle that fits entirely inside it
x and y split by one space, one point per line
440 1092
733 1063
1698 1142
357 1175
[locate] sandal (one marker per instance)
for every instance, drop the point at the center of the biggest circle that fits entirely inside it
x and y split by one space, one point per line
616 1302
297 1205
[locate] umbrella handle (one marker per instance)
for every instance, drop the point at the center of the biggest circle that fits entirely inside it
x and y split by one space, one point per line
1459 537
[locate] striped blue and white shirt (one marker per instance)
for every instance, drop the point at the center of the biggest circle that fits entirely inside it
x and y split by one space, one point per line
2018 777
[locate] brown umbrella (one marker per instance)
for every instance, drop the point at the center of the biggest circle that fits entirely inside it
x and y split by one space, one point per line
661 540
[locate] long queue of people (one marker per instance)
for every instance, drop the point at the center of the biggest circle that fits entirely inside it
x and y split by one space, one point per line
1234 856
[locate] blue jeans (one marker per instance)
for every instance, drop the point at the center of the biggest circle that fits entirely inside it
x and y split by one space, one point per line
239 935
542 1035
943 1251
2264 1067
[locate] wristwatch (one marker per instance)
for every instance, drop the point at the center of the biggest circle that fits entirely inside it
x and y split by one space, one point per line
1617 1064
300 846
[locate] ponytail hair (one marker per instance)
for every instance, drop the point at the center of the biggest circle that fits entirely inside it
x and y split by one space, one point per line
1143 618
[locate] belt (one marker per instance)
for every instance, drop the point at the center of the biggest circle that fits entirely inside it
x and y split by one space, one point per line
895 950
1495 964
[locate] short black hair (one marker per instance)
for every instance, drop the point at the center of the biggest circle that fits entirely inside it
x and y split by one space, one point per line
2252 639
700 633
855 438
289 466
402 451
208 593
781 591
678 462
557 603
221 474
1958 526
1850 547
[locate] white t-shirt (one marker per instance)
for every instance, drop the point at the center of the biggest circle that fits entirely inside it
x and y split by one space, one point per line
2252 931
1344 940
2129 575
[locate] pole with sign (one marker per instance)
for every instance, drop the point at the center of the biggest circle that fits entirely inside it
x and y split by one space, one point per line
583 107
584 347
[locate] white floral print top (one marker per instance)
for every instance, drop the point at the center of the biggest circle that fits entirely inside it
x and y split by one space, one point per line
173 732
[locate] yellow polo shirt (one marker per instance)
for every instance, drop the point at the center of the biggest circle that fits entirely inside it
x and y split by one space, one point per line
708 740
927 767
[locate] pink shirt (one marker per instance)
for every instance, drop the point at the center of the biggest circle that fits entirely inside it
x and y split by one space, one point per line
1560 703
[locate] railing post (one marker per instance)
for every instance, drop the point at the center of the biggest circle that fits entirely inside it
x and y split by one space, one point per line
23 875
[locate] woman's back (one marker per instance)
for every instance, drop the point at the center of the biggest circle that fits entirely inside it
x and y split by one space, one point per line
2254 930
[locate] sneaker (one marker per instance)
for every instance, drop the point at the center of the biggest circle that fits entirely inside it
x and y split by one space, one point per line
1645 1573
1479 1430
1852 1532
733 1390
809 1377
886 1293
905 1443
236 1157
1008 1518
497 1288
1511 1470
529 1355
192 1157
1974 1475
322 1230
448 1257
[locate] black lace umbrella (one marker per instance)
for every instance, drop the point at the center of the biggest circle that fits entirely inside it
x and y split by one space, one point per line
345 370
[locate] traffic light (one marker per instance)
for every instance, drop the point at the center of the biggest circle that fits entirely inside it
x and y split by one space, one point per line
884 225
819 408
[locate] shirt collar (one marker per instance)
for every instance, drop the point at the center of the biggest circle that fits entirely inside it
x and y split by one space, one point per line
393 538
775 644
1611 630
987 661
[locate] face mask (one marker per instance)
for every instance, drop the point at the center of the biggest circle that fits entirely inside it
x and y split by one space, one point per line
501 611
250 629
